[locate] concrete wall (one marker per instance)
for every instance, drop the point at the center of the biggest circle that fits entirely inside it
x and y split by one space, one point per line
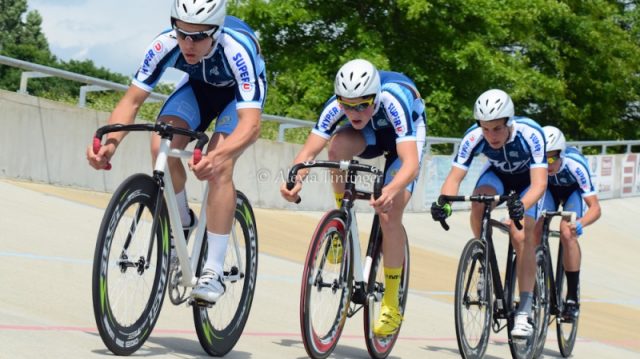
45 141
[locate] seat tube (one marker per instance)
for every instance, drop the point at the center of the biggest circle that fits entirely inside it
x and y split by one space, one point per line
358 272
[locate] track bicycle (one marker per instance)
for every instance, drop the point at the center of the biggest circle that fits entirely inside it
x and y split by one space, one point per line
482 302
336 284
132 267
554 288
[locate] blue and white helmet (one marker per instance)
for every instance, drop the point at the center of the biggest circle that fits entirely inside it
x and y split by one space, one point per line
201 12
492 105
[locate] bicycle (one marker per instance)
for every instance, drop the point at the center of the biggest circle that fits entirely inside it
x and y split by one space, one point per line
132 268
481 300
333 292
554 289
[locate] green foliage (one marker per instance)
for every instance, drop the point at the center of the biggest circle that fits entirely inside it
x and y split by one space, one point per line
574 64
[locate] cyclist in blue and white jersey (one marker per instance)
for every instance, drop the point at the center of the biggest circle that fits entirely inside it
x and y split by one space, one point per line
515 148
570 184
384 115
225 79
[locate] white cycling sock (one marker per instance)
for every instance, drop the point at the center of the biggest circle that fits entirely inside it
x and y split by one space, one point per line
216 249
183 208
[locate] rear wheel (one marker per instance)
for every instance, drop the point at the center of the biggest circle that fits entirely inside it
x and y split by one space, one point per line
379 347
219 328
566 331
543 280
522 348
326 286
473 301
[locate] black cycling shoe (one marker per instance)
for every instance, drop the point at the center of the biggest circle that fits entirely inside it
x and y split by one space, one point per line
571 311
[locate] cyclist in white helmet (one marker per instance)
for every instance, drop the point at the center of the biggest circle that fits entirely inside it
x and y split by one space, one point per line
374 113
515 149
225 79
571 186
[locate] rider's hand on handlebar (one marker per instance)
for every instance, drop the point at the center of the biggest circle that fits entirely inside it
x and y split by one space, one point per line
100 160
291 195
516 209
440 212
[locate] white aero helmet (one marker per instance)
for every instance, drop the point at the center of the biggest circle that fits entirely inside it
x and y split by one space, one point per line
202 12
493 104
357 78
554 138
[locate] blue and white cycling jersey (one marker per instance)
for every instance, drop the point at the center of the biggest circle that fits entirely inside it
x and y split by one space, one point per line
234 62
401 108
525 148
574 171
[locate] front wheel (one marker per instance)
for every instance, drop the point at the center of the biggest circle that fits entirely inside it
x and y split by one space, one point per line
380 347
473 301
566 331
220 326
326 286
130 265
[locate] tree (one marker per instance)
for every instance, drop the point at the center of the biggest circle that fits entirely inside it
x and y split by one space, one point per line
568 63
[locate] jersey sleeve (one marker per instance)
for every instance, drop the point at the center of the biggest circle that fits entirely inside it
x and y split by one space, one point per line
159 55
579 169
330 117
534 138
398 106
471 143
247 67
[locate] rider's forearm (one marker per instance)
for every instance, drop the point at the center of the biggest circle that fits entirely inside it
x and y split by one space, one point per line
405 176
592 214
243 136
533 195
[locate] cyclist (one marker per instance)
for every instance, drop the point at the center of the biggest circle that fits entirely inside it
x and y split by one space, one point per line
515 150
570 184
385 115
225 78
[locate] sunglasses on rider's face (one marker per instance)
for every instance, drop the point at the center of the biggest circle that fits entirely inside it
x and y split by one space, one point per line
552 159
358 106
195 36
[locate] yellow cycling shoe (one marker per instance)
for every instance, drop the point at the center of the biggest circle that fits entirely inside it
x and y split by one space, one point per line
334 255
388 323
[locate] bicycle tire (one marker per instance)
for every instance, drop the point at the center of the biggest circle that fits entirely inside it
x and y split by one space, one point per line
543 279
566 332
321 326
377 347
219 328
122 331
470 266
521 349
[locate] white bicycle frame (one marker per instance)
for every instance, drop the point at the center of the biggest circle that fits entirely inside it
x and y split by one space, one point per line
188 271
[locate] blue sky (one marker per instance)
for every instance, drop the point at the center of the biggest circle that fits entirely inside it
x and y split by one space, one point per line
113 33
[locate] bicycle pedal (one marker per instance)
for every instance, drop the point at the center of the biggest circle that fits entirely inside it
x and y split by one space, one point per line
200 303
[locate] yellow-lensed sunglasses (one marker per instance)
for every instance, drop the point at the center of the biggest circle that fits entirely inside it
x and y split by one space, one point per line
357 107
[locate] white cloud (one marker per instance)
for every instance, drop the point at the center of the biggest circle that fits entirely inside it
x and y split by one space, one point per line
113 34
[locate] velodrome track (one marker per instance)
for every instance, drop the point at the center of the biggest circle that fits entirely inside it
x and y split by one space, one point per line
47 237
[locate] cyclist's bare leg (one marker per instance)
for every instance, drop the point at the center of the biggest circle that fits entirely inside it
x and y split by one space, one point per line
571 255
391 224
477 208
525 243
221 202
178 173
345 144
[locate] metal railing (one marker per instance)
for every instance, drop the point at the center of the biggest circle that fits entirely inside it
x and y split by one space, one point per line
95 84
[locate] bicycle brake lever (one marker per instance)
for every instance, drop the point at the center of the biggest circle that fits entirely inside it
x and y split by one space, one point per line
444 224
